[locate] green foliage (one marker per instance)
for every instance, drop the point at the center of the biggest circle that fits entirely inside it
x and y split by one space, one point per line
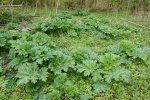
129 50
80 12
6 91
31 73
59 24
139 53
7 17
35 65
61 63
37 46
36 59
91 23
87 67
5 36
118 75
81 54
64 23
109 61
126 28
11 26
126 46
98 87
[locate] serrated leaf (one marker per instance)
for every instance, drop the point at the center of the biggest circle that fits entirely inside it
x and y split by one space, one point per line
81 54
16 62
98 87
140 53
84 97
27 72
114 49
119 74
43 74
2 42
126 46
109 60
60 80
87 67
97 75
61 62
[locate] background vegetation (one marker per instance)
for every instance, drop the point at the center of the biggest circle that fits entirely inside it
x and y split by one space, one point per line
130 5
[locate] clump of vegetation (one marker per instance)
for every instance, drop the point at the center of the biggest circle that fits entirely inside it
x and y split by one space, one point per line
47 71
80 12
67 24
59 24
12 26
129 50
7 17
5 36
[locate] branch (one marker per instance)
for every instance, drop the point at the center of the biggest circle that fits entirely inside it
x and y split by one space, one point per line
11 6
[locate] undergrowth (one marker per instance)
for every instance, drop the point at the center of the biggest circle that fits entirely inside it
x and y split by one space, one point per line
36 66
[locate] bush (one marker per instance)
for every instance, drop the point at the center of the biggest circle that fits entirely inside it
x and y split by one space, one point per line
59 24
80 12
7 17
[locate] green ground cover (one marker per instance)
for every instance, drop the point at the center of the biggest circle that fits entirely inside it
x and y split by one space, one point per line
75 55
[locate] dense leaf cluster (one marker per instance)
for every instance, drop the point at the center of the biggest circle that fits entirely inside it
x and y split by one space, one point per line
35 59
80 12
7 17
65 23
45 71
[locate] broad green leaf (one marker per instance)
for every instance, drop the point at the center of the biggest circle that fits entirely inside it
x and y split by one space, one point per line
119 74
98 87
87 67
140 53
84 97
81 54
27 73
43 74
109 60
61 62
97 75
126 46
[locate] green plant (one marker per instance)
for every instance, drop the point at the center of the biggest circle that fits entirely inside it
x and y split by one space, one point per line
109 60
120 74
34 61
81 54
139 53
7 17
31 73
61 63
11 26
129 50
36 66
5 36
80 12
87 67
59 24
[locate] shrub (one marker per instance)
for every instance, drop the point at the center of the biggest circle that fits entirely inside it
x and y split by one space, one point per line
7 17
80 12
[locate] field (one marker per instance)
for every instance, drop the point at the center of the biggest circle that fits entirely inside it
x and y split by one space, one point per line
75 55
